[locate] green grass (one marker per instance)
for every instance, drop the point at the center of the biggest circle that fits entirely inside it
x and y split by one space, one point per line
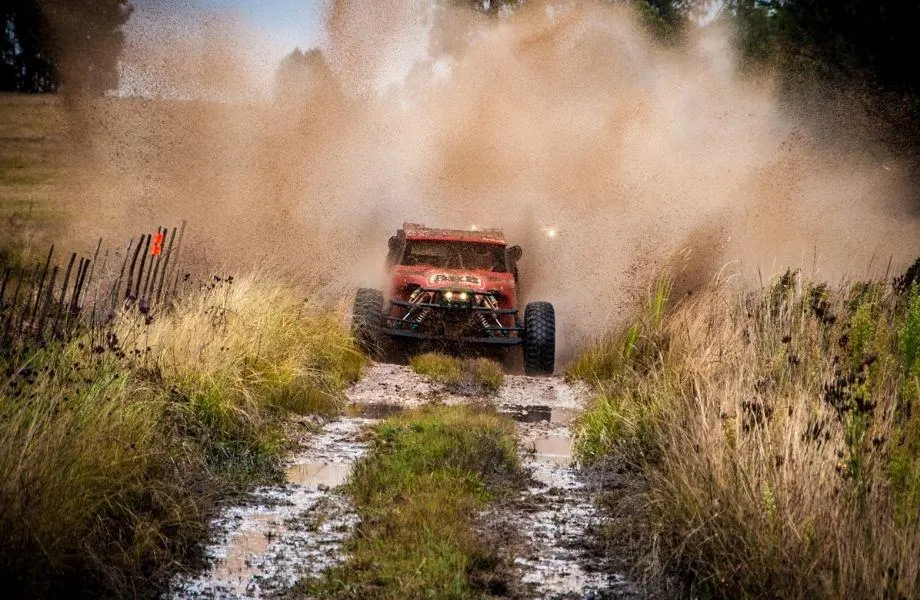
418 494
476 375
437 367
778 434
487 373
115 445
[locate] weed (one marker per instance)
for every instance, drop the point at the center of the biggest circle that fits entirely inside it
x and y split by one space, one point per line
487 373
909 335
470 377
439 367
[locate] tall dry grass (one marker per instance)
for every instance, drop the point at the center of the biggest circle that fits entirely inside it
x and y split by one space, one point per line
115 445
778 431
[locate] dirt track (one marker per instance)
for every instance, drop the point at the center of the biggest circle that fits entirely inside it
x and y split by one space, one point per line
279 534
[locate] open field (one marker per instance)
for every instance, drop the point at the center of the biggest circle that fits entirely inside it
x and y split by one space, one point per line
33 144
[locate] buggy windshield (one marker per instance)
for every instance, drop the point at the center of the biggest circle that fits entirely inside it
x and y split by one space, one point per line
456 255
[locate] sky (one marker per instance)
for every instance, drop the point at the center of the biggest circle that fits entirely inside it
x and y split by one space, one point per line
273 28
288 23
283 24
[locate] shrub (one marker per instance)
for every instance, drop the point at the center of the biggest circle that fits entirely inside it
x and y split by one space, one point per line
436 366
474 376
487 373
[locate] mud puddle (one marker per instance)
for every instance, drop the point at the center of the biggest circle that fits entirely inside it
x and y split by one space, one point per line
553 517
539 414
285 532
521 414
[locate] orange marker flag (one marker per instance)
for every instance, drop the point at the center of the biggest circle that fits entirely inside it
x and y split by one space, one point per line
157 247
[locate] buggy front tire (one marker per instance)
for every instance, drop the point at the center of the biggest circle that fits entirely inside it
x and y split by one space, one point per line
366 322
539 339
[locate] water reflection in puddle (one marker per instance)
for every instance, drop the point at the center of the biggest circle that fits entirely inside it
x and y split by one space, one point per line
551 449
539 414
245 545
284 532
316 474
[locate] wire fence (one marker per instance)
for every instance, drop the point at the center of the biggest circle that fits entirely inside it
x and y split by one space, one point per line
50 301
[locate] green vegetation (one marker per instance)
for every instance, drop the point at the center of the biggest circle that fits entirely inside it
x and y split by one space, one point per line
48 44
778 433
438 367
480 375
114 445
487 373
418 493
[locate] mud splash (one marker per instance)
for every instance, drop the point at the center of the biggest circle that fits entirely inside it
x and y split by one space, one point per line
284 532
563 117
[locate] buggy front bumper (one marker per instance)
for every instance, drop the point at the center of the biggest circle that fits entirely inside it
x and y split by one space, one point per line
493 333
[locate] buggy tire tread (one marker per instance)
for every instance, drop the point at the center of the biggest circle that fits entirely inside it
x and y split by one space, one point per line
539 339
367 320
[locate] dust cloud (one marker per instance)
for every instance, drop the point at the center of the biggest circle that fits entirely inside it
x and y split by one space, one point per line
562 117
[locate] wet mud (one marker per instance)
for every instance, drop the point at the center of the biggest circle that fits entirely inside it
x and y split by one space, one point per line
549 522
282 533
557 513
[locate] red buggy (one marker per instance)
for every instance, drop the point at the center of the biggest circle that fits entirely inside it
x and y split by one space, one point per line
458 288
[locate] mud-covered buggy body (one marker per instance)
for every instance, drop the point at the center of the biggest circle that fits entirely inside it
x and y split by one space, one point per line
454 288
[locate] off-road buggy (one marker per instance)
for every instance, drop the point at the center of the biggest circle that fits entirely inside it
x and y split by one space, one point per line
455 288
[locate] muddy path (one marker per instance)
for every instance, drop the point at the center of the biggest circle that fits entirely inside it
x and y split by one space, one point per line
261 547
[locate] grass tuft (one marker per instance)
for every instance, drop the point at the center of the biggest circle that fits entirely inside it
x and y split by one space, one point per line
438 367
418 493
487 373
473 376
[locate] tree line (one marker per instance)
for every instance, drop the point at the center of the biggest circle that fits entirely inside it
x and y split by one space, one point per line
868 46
49 45
867 50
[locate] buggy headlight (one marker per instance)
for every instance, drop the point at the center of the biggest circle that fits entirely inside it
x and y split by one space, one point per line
461 296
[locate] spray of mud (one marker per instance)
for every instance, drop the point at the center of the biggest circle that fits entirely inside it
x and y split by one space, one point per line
562 118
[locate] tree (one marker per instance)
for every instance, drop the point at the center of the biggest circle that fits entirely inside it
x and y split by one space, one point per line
876 39
305 75
26 64
71 43
868 47
491 7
